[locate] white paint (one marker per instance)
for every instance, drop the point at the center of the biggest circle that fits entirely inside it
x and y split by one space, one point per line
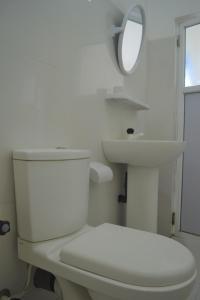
44 189
57 63
50 54
181 24
142 198
142 158
100 173
161 121
162 15
161 285
121 98
161 118
124 5
141 152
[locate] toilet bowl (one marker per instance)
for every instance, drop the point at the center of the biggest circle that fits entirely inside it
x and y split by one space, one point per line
106 262
113 262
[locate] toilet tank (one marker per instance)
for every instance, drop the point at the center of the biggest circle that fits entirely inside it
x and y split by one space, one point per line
52 190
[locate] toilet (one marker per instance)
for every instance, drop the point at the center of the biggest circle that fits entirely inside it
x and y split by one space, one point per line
106 262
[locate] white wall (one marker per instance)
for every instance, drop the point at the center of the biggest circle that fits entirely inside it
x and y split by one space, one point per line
161 87
57 61
162 14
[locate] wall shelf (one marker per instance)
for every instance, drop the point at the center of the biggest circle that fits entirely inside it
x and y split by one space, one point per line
127 100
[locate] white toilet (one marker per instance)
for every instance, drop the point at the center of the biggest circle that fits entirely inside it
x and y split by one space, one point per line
101 263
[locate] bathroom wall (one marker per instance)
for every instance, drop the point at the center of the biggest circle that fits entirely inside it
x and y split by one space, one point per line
57 62
164 13
161 87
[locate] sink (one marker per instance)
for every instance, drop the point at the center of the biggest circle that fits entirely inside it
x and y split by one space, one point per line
143 158
146 153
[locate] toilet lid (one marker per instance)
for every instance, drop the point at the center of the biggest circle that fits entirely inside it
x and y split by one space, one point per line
130 256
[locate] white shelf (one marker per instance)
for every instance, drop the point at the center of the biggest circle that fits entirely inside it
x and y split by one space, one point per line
127 100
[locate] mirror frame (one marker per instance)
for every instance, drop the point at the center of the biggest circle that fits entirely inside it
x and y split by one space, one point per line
121 36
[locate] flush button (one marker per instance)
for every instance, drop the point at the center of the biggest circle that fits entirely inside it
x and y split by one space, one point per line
4 227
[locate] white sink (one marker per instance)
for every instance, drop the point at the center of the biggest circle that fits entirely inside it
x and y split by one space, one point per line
146 153
143 158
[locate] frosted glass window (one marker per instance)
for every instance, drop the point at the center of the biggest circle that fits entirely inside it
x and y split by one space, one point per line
190 220
192 56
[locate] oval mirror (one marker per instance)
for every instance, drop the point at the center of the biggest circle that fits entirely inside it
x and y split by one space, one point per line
131 39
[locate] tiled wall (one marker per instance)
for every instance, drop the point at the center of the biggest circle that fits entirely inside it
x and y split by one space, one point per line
161 121
57 62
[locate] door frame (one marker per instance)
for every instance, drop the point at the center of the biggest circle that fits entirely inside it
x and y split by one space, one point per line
181 24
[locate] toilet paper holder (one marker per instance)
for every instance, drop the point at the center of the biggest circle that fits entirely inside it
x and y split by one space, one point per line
100 173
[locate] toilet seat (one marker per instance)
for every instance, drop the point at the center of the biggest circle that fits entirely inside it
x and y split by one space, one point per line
130 256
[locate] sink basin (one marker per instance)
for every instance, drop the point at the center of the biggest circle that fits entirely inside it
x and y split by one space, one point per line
143 153
143 158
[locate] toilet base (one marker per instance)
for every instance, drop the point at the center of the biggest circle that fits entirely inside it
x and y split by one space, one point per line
78 284
74 291
97 296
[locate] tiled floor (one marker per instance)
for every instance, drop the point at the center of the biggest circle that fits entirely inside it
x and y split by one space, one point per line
193 243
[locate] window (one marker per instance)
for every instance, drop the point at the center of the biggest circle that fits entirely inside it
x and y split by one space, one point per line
192 56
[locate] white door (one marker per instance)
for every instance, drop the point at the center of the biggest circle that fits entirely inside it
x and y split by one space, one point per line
188 208
190 212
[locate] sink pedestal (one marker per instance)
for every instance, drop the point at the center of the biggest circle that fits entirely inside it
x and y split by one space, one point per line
142 198
143 158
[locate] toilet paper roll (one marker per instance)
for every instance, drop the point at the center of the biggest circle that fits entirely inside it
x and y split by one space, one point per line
100 173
